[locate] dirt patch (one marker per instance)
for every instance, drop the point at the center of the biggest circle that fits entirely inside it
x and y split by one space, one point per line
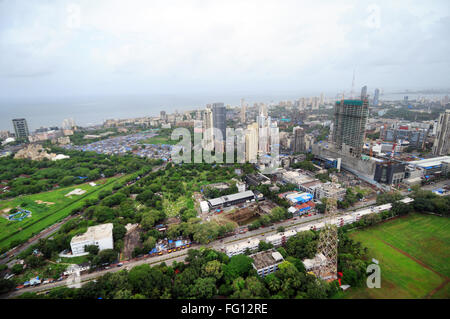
77 191
42 202
241 216
131 241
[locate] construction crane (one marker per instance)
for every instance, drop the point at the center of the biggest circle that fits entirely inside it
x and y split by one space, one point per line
393 149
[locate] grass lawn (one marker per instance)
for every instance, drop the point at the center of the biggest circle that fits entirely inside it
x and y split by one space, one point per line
413 253
172 208
56 207
158 140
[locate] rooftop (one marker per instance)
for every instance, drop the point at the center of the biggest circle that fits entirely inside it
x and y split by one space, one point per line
430 162
266 258
94 233
253 242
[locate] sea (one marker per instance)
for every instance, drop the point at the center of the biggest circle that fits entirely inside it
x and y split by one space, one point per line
90 110
93 110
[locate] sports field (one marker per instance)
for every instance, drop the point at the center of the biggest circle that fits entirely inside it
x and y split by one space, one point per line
46 209
413 254
158 140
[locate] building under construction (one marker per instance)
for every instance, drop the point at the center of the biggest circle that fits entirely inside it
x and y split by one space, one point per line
350 117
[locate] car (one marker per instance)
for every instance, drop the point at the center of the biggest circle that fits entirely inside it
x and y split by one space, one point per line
119 264
107 267
160 253
169 251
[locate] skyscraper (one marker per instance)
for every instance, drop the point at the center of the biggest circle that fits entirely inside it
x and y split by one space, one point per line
441 144
251 143
208 138
219 115
299 140
376 97
364 92
350 117
21 129
243 111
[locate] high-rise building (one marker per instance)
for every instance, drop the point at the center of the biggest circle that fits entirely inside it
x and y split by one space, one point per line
376 96
21 129
299 140
350 117
219 114
243 111
442 141
209 137
251 143
364 92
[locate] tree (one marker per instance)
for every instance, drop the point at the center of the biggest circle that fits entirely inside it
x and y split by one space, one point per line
302 245
204 288
67 180
17 269
119 231
281 229
149 243
105 256
213 268
92 249
238 265
6 285
264 245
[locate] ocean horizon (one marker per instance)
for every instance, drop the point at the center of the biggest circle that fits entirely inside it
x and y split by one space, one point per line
94 110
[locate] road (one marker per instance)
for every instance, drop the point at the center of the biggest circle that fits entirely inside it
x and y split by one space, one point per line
51 230
180 255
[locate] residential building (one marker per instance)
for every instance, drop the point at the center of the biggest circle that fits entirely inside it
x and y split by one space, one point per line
21 129
364 92
280 239
442 141
100 235
208 139
350 117
240 248
251 143
266 262
376 97
243 111
219 113
299 140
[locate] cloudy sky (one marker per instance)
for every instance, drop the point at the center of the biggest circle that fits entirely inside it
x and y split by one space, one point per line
83 47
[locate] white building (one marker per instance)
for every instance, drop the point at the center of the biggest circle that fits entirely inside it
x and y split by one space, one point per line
100 235
204 206
240 248
312 264
266 262
280 238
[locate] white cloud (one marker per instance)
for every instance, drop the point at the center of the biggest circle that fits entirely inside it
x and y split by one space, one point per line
217 45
